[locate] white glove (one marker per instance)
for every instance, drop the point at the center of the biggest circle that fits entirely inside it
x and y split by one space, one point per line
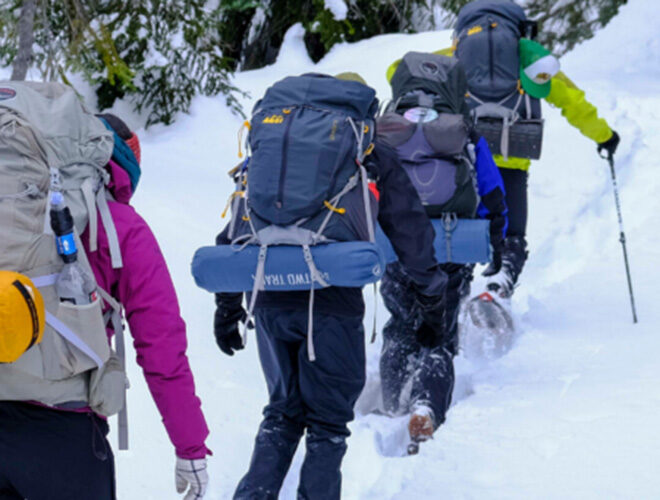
193 473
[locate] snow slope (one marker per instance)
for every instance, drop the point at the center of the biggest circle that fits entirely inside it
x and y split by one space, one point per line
570 412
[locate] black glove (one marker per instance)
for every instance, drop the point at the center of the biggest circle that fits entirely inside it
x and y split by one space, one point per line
225 324
432 330
610 145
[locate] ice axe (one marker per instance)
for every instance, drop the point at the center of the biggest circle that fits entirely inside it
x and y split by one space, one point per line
622 236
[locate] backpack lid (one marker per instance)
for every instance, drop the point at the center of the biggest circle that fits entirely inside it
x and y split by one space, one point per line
434 74
322 91
507 9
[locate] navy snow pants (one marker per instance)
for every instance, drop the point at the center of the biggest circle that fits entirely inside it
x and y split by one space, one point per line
53 455
410 374
317 397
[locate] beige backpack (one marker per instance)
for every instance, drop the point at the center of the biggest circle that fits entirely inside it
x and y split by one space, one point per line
46 137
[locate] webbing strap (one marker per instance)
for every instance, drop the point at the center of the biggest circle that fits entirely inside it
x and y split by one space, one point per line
69 335
259 281
450 221
311 353
122 418
509 116
87 189
44 281
110 229
352 182
528 106
315 275
374 331
367 203
120 347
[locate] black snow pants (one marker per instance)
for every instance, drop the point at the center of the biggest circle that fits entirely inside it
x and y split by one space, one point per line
515 243
53 455
410 374
314 396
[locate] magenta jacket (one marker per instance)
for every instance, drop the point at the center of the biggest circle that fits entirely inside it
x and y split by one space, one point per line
145 289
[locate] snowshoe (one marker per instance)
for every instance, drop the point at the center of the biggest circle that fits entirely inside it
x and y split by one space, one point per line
488 329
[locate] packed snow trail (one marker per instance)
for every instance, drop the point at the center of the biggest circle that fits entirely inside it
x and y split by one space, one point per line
570 412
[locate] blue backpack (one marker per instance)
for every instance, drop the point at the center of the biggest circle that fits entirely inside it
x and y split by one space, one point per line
303 187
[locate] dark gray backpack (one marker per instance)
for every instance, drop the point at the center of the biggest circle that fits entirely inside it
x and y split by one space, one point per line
427 124
304 183
488 33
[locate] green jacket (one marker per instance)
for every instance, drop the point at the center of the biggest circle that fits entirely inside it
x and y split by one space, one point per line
565 95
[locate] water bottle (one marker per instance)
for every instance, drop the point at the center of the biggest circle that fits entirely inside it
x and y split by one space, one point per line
74 284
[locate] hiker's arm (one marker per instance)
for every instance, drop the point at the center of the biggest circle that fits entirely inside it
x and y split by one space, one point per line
492 193
392 67
146 290
228 303
404 221
579 112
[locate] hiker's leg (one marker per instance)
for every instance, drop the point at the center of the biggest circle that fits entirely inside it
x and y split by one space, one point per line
515 244
433 381
283 423
54 455
515 185
400 350
329 386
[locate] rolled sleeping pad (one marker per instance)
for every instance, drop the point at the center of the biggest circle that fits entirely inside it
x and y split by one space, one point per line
224 268
469 241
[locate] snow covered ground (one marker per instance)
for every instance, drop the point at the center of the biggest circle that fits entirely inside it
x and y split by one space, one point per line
571 411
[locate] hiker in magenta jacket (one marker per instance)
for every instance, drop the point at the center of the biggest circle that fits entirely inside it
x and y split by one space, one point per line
144 288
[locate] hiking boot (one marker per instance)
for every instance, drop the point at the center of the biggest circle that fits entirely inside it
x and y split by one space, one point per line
421 424
420 427
501 284
514 256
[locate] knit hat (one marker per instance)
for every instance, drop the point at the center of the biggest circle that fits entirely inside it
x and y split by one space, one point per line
122 130
126 152
22 315
537 67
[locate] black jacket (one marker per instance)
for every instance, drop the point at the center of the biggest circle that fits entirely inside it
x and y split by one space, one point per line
404 221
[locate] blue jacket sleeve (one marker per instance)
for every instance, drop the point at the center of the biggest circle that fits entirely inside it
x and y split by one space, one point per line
491 191
404 221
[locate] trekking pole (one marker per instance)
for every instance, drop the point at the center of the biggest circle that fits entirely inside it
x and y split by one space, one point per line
622 235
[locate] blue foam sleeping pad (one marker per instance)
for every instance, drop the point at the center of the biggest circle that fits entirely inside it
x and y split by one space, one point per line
470 242
348 264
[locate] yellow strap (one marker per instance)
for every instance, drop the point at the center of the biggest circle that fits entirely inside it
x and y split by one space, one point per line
245 218
370 149
246 124
231 198
331 207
